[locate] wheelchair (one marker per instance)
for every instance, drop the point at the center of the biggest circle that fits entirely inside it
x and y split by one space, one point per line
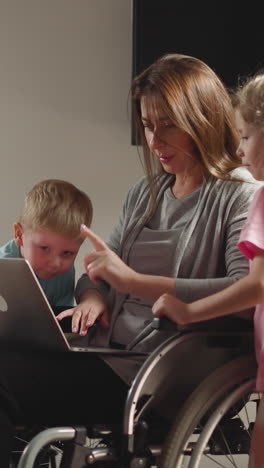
191 405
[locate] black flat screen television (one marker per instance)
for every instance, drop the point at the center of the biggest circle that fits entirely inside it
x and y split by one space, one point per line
226 35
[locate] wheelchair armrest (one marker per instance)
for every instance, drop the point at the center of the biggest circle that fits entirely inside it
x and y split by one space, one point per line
163 324
158 323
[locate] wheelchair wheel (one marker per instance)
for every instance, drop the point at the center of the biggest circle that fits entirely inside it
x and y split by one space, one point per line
48 457
214 426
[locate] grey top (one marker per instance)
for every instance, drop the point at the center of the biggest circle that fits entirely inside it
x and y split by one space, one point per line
153 251
193 239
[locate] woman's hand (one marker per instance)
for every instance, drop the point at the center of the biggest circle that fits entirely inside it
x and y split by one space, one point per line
171 307
103 264
91 307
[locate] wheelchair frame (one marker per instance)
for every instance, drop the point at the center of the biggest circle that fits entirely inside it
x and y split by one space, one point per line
163 395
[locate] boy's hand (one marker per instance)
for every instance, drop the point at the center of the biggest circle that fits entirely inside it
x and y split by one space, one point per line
171 307
84 315
103 264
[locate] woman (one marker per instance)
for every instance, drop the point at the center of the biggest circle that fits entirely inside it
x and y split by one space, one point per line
177 234
179 227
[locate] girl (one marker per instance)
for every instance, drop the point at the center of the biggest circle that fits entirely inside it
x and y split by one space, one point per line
248 291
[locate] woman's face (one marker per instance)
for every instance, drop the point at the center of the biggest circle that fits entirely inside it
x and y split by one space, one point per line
251 146
173 147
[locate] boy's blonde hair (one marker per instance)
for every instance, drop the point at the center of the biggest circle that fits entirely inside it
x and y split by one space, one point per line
249 98
58 206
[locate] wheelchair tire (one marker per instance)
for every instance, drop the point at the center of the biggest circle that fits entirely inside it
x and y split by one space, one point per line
208 420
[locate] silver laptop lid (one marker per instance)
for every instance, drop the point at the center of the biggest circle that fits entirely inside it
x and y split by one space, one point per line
26 318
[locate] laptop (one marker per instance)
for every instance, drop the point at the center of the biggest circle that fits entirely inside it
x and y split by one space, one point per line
27 320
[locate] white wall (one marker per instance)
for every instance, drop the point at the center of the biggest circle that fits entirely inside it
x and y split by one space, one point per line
64 78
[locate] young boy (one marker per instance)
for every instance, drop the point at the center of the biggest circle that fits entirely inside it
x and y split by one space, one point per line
48 236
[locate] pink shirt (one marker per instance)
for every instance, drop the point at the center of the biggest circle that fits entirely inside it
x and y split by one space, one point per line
251 238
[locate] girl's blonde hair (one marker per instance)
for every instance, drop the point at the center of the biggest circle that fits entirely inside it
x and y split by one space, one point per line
249 98
58 206
197 102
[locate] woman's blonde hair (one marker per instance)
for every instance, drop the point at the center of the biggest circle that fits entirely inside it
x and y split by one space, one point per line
58 206
196 101
249 98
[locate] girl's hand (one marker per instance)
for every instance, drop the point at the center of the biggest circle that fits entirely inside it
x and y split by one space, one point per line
171 307
103 264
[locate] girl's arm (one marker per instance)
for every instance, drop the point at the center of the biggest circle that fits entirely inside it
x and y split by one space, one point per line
245 293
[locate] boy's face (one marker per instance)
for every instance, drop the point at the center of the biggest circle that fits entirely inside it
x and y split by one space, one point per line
49 253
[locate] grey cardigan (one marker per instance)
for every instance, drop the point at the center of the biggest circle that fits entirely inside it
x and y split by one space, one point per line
206 258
